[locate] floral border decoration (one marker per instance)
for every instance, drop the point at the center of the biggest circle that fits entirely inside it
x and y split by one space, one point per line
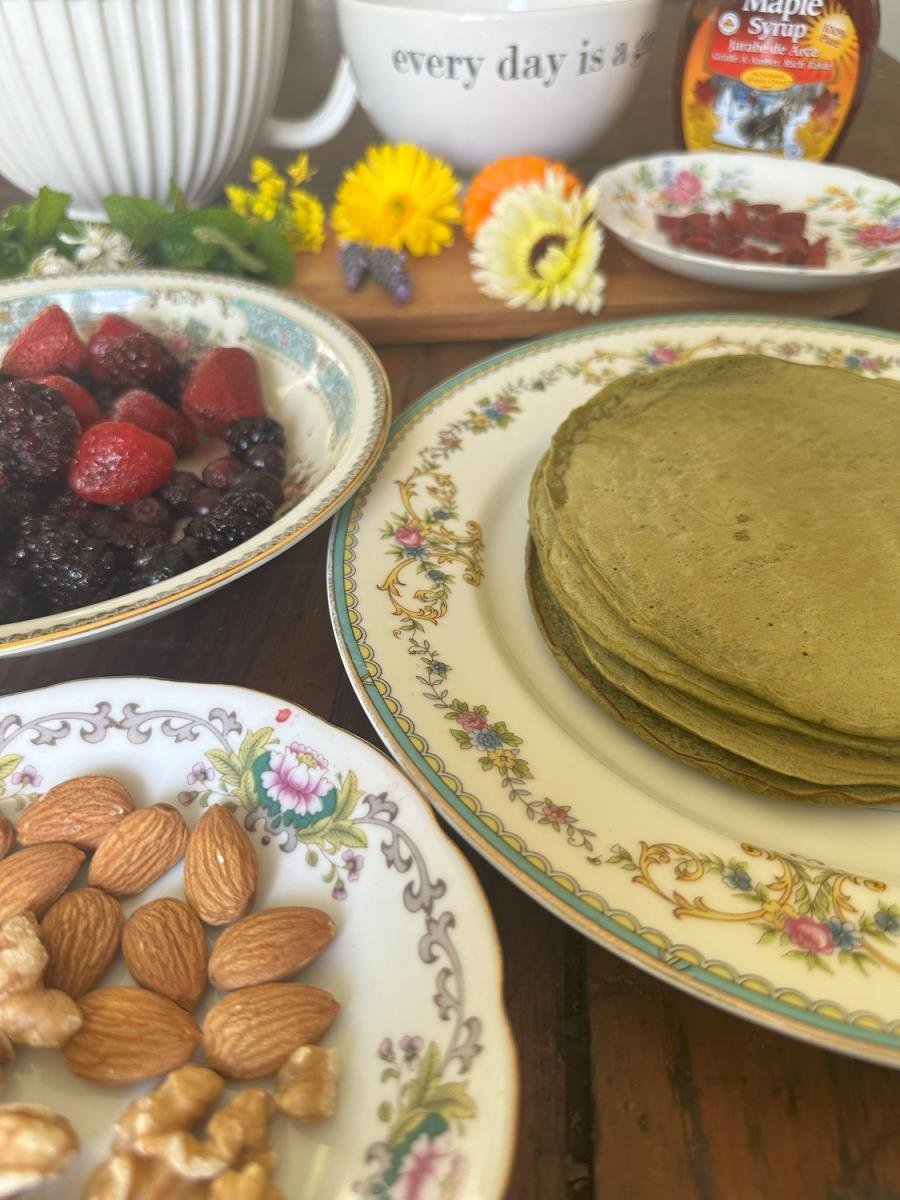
286 794
807 907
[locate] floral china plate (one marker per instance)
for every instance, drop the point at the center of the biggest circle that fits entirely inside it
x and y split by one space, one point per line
859 214
428 1086
786 914
320 379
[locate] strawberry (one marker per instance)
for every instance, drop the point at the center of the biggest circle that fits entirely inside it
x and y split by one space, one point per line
48 345
123 354
149 412
116 463
223 387
79 399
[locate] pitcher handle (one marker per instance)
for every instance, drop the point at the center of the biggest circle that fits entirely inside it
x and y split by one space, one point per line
321 125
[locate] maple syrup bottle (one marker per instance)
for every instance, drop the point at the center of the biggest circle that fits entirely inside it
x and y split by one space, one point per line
781 77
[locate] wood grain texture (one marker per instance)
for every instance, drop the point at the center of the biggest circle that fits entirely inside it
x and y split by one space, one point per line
448 307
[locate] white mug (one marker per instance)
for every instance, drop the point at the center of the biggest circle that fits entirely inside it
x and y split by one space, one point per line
471 80
104 96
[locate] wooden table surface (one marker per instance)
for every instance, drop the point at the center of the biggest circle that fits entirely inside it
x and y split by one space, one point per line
630 1090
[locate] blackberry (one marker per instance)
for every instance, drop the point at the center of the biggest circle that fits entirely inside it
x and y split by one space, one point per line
38 433
253 431
17 597
239 516
140 360
159 563
119 529
68 567
151 511
177 492
15 503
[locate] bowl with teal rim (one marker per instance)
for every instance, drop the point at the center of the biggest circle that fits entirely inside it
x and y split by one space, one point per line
320 379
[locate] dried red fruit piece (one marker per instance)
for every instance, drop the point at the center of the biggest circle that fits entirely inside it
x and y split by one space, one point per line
116 463
726 235
48 345
147 411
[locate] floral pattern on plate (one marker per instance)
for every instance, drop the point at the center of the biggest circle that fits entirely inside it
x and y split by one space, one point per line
333 821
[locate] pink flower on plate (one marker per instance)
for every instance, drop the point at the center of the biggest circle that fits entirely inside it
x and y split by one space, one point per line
410 536
296 779
282 715
878 235
686 188
555 812
471 722
502 406
809 934
663 355
25 774
432 1170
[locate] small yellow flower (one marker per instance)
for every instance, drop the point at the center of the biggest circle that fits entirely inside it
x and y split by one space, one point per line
299 171
504 759
398 196
307 231
261 169
541 249
264 206
238 199
272 189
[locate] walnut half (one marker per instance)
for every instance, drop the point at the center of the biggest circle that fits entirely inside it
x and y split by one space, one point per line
306 1086
35 1145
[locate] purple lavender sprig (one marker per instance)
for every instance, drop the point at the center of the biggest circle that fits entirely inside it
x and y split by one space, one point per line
388 268
354 260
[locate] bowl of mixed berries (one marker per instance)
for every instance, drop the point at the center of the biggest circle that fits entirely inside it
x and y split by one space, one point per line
156 439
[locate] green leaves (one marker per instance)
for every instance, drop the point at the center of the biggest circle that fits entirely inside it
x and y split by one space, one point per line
44 216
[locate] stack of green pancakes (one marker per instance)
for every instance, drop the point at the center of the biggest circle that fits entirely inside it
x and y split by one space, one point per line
715 559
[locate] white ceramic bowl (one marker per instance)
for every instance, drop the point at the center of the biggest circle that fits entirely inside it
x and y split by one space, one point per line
858 213
320 379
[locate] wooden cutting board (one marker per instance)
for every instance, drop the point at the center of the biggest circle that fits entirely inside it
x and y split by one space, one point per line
446 305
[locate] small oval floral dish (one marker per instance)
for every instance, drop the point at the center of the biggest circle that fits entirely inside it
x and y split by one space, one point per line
859 214
319 378
427 1093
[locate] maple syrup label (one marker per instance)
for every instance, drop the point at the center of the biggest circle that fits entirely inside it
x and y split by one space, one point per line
772 76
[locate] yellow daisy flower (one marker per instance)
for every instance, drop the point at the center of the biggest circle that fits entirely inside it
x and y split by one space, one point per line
307 231
540 249
398 196
299 171
261 169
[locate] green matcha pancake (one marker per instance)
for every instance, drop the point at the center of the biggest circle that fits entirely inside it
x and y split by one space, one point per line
743 513
715 559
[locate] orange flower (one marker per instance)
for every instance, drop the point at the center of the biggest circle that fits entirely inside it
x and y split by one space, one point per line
494 179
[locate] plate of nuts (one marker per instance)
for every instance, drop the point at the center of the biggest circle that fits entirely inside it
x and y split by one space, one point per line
238 960
162 434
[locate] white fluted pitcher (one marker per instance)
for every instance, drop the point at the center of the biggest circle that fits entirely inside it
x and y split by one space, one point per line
106 96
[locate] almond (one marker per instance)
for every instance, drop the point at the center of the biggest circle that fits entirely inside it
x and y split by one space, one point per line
269 945
165 949
220 868
254 1031
81 811
33 878
128 1035
138 850
81 932
7 835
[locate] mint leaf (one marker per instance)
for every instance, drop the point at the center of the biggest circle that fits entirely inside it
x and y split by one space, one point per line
177 246
44 215
177 197
13 259
14 218
136 217
236 228
236 253
275 253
